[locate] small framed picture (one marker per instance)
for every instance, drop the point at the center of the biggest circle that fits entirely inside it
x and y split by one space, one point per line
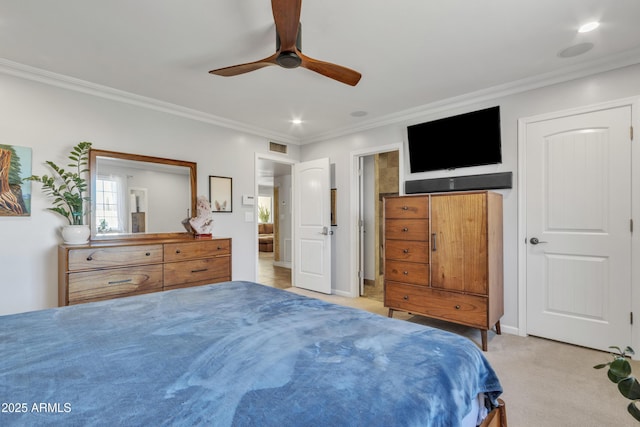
220 194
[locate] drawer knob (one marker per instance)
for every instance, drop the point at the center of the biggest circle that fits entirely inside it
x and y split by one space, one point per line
405 229
177 251
458 307
406 273
406 251
406 297
89 258
219 248
148 254
405 208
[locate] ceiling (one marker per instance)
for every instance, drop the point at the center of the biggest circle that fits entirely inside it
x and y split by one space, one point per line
411 53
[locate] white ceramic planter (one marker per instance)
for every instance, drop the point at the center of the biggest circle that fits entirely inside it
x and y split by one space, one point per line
75 234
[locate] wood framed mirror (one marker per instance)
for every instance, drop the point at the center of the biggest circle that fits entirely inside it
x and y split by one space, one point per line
140 197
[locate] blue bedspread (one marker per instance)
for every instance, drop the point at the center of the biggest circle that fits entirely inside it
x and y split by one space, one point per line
236 353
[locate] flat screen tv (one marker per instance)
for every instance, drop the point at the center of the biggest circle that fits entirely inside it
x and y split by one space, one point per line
470 139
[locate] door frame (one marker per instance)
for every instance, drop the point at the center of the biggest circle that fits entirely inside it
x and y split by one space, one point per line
354 232
634 102
276 159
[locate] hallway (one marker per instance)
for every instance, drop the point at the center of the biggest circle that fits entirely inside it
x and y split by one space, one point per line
268 274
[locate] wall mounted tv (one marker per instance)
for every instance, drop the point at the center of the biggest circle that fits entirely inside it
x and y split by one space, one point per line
470 139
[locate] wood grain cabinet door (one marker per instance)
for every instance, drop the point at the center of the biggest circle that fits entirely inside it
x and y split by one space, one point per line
459 242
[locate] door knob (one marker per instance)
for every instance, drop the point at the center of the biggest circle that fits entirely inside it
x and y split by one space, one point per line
535 241
325 231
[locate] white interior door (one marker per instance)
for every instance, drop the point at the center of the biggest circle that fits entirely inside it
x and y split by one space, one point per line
312 226
578 214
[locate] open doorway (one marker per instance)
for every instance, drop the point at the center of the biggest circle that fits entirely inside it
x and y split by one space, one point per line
372 178
380 177
274 222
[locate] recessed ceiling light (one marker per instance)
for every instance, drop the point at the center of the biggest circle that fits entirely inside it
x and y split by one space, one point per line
296 121
589 26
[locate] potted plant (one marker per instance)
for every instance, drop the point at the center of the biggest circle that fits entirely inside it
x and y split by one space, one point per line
620 373
263 213
68 190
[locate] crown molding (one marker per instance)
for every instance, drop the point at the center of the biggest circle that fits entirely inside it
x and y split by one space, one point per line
576 71
71 83
572 72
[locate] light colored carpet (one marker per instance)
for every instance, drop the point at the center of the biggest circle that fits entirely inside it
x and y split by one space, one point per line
546 383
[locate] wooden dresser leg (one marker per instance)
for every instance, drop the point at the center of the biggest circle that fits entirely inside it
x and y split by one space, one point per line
390 313
483 332
498 331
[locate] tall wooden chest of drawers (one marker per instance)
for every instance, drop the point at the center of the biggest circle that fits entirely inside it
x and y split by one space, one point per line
112 269
443 257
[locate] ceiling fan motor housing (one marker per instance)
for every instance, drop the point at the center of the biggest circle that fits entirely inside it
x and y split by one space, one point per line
288 60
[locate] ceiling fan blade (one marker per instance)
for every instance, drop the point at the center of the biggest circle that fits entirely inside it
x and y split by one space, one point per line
333 71
235 70
286 14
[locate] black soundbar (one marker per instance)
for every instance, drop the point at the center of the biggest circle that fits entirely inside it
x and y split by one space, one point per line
488 181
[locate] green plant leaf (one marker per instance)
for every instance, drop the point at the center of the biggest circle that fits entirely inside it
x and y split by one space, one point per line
602 365
630 388
633 410
620 367
613 377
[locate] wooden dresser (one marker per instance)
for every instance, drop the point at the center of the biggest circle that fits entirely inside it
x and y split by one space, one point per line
443 257
112 269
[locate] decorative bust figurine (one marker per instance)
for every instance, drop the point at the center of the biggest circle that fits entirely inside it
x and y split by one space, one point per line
203 223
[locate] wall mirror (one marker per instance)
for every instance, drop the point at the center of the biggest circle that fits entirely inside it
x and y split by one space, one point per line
135 196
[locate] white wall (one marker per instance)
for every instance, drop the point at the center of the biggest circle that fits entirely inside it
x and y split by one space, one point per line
51 120
617 84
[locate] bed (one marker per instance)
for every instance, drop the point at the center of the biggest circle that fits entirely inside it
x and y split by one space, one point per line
237 354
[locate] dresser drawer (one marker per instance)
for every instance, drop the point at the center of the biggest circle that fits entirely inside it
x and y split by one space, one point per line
196 249
200 270
469 310
406 229
407 272
92 258
406 250
116 282
406 207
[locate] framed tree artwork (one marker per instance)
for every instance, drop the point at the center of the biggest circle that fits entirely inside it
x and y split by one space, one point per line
15 194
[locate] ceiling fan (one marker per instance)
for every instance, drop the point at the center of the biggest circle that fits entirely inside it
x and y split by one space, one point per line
286 14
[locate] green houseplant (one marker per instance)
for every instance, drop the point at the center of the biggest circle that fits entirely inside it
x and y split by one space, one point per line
263 213
620 373
68 188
